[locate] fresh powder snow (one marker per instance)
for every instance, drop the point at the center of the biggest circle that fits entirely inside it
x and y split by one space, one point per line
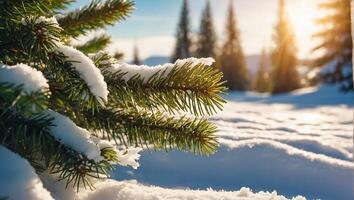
87 69
77 138
18 180
299 143
30 78
131 190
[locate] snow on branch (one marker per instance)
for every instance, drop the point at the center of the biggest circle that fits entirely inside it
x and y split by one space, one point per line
18 180
87 69
125 156
67 132
146 72
129 157
31 79
51 20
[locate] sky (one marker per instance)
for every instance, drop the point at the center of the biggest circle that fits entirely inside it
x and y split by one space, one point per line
153 23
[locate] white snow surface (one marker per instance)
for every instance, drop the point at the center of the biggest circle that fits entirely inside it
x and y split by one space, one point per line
87 69
30 78
18 180
146 72
296 144
131 190
77 138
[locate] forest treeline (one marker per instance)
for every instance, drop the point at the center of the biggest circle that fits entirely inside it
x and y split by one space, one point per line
281 73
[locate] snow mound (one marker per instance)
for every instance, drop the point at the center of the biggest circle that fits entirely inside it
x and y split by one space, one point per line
31 79
18 179
131 190
87 69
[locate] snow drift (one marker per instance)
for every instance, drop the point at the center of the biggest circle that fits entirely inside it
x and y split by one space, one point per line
18 179
296 144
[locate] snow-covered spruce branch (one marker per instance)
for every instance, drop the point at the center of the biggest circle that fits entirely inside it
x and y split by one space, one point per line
65 145
34 35
75 82
87 71
134 127
27 132
61 157
96 15
23 88
189 85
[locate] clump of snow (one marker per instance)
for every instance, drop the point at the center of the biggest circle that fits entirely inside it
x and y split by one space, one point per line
67 132
131 190
31 79
146 72
196 61
129 157
18 179
126 156
87 69
49 20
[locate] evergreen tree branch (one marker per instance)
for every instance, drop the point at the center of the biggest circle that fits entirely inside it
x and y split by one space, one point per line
27 103
191 89
29 40
67 88
94 45
30 137
95 15
136 127
16 8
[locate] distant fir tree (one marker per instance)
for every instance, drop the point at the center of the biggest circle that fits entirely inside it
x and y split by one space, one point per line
76 114
136 59
206 44
262 81
336 42
284 74
183 38
232 60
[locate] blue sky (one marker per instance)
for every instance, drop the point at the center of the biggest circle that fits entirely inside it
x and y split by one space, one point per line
153 24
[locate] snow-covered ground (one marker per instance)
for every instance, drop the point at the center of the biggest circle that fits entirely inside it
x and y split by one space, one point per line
290 146
297 144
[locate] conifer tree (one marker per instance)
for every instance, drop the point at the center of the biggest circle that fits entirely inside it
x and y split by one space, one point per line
75 115
284 74
336 43
262 82
206 45
232 59
136 59
183 38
